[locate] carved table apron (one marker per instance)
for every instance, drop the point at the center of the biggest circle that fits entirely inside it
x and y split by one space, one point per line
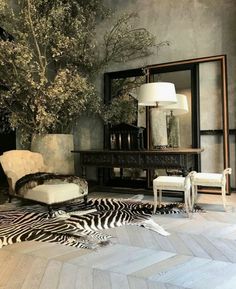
181 158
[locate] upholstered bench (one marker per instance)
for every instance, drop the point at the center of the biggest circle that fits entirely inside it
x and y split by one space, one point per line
209 180
172 183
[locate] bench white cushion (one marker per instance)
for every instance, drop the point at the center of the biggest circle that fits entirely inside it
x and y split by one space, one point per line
208 179
169 183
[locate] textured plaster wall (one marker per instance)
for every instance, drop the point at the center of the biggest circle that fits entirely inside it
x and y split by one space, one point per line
194 28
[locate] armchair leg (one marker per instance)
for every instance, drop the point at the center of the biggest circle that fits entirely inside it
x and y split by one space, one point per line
9 198
85 200
50 211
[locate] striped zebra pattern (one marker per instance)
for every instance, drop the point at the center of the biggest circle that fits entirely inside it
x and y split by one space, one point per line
81 231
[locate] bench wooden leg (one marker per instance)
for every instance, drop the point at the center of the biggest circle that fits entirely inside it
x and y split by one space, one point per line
186 201
160 198
194 195
155 200
223 197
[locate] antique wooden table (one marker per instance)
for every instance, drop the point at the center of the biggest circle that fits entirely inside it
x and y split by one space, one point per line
180 158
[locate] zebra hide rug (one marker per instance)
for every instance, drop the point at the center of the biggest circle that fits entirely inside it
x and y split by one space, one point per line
83 229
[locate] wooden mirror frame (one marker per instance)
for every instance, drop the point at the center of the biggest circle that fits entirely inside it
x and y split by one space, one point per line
193 65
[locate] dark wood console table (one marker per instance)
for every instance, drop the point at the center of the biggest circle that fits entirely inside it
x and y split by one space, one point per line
180 158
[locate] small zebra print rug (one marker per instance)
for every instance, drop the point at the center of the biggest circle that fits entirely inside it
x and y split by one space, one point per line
78 225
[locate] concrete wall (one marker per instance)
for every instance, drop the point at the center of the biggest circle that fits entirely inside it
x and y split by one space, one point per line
194 28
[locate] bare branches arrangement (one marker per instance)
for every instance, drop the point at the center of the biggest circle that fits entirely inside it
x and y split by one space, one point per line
48 70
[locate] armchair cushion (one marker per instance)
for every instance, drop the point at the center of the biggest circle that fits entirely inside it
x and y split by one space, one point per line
30 181
52 194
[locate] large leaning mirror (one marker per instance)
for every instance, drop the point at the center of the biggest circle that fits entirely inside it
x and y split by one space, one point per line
209 104
185 79
203 81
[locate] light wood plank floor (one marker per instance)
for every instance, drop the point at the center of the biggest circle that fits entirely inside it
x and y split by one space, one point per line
199 253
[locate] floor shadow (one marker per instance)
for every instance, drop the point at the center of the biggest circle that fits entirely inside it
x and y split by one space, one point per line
3 193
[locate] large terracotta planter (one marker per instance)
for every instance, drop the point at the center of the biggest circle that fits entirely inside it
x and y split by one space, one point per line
56 150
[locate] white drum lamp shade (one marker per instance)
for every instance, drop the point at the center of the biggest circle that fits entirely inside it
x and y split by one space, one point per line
180 107
157 94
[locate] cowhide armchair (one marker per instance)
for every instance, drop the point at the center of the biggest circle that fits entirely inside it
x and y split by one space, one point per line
20 163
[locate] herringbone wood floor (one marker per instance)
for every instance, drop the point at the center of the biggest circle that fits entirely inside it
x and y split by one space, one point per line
199 253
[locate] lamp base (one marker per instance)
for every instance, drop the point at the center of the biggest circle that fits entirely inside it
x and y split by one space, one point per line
160 147
173 132
158 128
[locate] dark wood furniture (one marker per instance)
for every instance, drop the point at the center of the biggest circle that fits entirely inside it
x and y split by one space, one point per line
126 137
181 158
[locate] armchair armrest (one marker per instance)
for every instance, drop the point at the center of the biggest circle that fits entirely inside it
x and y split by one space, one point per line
11 179
10 186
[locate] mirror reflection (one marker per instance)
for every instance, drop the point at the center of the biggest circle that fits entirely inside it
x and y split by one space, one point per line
203 124
179 120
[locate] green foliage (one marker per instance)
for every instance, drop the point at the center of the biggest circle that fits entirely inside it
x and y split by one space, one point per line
50 67
124 103
121 109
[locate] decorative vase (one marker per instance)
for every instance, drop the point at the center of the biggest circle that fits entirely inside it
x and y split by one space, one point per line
173 132
56 150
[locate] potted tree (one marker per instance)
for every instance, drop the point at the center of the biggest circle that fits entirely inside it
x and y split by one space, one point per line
49 67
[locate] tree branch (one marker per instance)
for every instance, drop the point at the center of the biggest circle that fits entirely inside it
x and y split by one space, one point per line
40 57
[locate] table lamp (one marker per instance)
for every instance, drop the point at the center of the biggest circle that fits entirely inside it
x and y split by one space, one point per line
157 95
176 109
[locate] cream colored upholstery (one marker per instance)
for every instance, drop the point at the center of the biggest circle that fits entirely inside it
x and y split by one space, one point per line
172 183
209 180
18 163
51 194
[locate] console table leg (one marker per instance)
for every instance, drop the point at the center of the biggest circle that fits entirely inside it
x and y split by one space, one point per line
184 171
100 176
83 170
